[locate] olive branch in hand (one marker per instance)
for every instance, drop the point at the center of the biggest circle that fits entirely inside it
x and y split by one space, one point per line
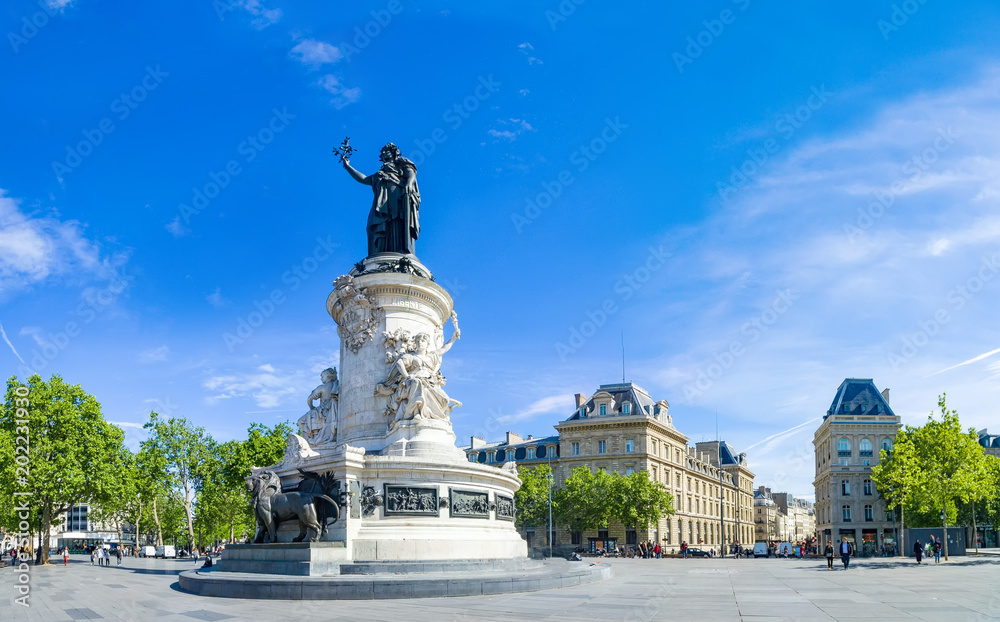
344 151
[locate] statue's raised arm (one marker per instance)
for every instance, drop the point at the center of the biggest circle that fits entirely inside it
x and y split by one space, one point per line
454 336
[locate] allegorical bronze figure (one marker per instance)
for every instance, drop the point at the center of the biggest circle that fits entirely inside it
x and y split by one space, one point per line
393 222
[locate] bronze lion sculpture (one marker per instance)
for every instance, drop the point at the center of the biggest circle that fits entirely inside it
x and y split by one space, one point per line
272 507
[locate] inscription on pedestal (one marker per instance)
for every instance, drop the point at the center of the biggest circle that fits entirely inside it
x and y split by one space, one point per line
411 500
470 503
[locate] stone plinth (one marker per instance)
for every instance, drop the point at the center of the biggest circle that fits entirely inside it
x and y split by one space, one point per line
286 558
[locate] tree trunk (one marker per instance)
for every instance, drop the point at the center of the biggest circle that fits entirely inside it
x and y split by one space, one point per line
138 520
975 530
159 528
902 528
43 553
944 527
190 523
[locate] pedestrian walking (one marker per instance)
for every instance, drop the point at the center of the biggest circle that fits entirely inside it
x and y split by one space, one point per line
684 550
846 550
918 551
93 556
118 555
828 551
65 556
937 550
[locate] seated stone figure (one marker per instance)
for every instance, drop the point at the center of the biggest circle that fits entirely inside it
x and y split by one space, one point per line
319 425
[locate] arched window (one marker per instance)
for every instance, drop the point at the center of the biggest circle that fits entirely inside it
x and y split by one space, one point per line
865 448
844 448
886 444
501 455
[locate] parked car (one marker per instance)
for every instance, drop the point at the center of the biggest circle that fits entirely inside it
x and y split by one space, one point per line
165 551
147 551
759 549
698 553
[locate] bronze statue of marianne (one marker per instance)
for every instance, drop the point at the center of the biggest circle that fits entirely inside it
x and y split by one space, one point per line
393 224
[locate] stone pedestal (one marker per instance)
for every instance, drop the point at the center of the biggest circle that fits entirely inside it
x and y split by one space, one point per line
411 493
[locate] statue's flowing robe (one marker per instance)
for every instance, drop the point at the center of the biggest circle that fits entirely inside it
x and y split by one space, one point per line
393 223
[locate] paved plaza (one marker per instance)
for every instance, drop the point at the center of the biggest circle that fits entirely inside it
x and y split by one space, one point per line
964 589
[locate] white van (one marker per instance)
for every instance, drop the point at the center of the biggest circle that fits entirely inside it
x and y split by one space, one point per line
785 549
759 549
148 551
165 551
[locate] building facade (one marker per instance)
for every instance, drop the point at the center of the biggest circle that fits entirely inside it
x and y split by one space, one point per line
621 428
857 426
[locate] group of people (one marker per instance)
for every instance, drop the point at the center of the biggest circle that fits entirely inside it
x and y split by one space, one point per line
931 548
645 550
101 556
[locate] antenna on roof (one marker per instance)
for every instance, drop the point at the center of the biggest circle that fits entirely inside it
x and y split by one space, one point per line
623 357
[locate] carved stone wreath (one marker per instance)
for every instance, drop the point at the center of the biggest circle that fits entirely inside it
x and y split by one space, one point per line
361 315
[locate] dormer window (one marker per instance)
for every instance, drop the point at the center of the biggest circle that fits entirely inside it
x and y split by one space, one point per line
626 408
604 409
583 411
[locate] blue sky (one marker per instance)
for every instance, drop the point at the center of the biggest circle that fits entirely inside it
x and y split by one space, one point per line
761 199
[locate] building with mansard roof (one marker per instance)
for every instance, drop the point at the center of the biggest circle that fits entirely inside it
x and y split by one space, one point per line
622 428
858 424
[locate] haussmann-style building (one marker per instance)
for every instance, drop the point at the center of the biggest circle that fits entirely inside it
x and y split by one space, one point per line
858 424
622 428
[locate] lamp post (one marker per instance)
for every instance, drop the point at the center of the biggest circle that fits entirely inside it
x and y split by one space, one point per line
944 530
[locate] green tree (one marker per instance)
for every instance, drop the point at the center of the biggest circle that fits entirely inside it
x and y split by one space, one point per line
637 500
896 474
185 449
532 498
950 465
71 456
583 501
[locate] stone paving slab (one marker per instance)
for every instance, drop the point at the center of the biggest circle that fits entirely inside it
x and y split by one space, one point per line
962 590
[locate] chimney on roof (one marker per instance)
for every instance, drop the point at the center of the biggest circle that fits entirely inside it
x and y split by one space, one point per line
475 442
579 400
514 438
885 395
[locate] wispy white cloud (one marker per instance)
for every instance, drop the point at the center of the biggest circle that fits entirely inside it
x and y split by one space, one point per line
35 248
510 129
267 386
550 405
216 299
528 51
315 53
154 355
177 228
262 17
342 96
974 359
12 348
